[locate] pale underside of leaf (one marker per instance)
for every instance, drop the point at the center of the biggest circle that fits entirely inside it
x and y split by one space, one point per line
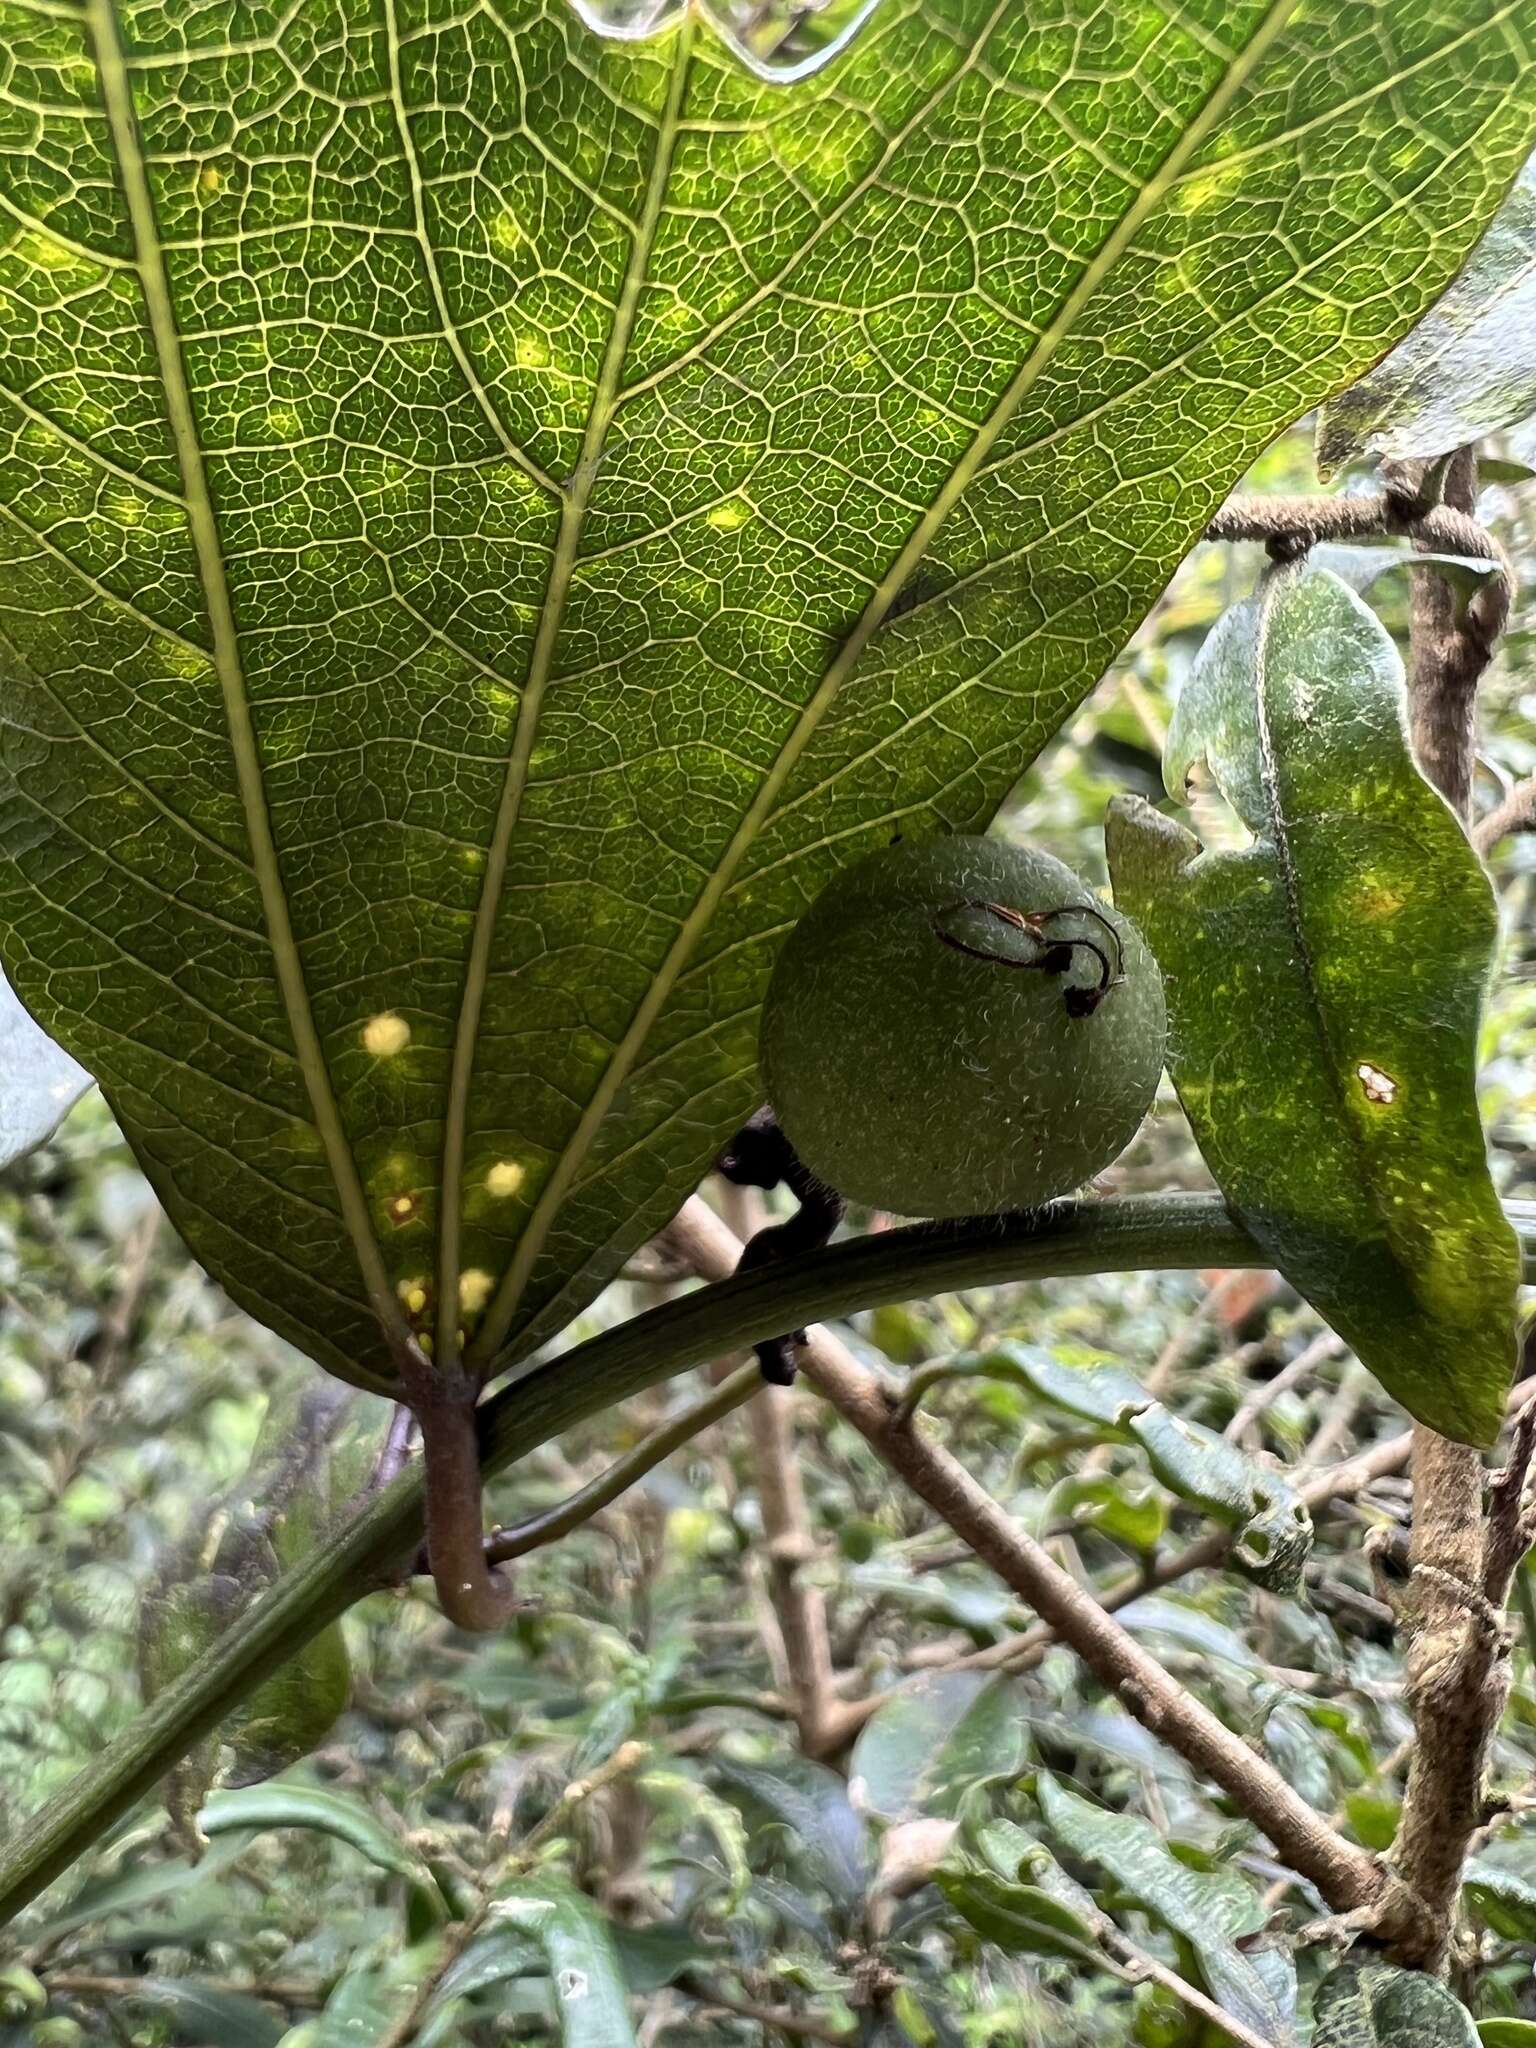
461 483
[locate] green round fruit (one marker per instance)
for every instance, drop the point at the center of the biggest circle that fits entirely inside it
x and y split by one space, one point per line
959 1027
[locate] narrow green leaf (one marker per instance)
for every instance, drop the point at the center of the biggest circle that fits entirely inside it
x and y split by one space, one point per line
1023 1919
812 1802
1503 1897
590 1992
722 1820
39 1082
201 2013
1467 369
1324 988
1507 2033
1376 2006
1201 1905
488 532
932 1738
260 1808
1208 1908
1125 1509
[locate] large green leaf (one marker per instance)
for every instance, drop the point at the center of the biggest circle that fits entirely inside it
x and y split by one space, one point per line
1324 986
494 515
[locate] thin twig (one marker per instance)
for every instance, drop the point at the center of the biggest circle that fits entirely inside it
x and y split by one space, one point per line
1324 1345
1517 813
1137 1966
1456 1665
552 1523
782 2019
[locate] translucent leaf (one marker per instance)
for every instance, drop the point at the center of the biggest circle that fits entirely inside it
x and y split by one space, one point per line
1467 369
39 1082
497 513
780 40
1325 984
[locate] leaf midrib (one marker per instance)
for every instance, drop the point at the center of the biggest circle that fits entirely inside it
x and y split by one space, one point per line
122 123
575 501
514 1281
1276 582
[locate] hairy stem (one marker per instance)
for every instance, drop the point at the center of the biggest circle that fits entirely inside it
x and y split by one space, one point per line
1132 1234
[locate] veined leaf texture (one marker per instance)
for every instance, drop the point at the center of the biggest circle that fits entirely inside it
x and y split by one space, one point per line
494 514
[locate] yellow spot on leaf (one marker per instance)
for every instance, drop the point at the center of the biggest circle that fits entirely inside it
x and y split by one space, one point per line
402 1208
474 1290
385 1035
729 516
414 1294
209 179
505 1178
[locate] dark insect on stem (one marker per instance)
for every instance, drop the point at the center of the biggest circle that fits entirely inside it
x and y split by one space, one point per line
1056 955
760 1156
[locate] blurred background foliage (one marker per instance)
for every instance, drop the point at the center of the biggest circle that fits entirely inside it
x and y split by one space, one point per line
629 1741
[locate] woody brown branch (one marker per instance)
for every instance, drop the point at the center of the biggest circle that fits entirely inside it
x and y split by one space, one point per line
1456 1659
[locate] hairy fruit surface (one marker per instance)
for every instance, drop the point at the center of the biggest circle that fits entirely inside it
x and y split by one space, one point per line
961 1026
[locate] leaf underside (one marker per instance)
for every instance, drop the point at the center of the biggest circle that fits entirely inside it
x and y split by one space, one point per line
1324 988
494 516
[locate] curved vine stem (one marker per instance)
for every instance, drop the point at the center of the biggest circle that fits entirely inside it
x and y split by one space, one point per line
625 1472
1134 1233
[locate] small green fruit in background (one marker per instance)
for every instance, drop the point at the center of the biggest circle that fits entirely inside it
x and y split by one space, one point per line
961 1026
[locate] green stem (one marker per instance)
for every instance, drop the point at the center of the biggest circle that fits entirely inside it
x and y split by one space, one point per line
622 1474
1136 1233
